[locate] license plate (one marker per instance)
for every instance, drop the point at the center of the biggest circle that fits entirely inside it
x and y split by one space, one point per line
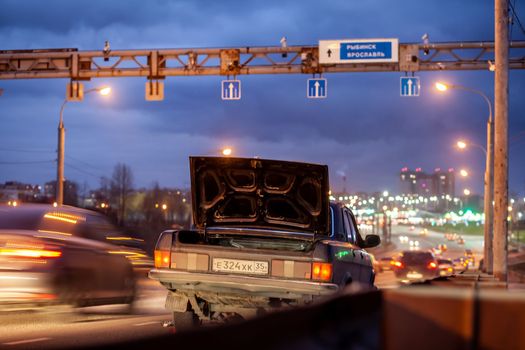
240 266
414 275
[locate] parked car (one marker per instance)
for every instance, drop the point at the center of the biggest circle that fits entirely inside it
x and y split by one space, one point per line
415 266
265 236
54 255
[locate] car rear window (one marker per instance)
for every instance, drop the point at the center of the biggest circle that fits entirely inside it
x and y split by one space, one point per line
416 257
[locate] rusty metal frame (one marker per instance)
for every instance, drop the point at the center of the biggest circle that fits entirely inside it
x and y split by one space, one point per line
161 63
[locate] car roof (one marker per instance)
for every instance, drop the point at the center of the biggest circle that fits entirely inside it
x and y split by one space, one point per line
30 214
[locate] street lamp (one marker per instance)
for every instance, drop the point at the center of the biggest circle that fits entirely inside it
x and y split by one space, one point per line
464 144
61 144
463 173
489 168
226 151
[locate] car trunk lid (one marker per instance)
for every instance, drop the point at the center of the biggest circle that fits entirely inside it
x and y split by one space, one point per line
258 193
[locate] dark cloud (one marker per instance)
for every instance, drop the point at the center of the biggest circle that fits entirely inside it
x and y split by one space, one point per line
363 129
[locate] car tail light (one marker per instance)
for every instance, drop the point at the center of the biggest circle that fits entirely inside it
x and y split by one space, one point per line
162 253
321 271
30 253
432 265
396 263
162 258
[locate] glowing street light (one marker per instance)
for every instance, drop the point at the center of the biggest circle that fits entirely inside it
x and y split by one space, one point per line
489 171
463 145
104 90
466 192
226 151
441 86
463 173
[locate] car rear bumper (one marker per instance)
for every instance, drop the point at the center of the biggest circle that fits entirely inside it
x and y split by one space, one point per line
239 284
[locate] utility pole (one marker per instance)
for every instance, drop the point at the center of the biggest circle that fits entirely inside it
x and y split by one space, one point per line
501 166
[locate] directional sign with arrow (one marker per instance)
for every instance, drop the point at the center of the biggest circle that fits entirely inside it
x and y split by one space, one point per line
359 51
316 88
231 90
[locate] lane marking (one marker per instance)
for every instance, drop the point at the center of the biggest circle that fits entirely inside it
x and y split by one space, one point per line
146 323
26 341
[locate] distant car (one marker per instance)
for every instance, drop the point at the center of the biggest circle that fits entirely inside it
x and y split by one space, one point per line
54 255
460 264
446 267
423 232
451 236
385 263
469 256
460 240
443 247
415 266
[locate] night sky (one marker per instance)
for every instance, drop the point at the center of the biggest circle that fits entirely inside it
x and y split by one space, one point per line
364 130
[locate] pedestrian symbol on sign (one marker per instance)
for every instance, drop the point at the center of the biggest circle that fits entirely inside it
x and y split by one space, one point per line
231 90
409 86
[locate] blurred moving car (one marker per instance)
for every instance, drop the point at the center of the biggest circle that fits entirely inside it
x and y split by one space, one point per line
415 266
266 237
60 255
446 267
385 263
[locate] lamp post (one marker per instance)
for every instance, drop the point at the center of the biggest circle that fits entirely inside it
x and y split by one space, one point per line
488 178
61 143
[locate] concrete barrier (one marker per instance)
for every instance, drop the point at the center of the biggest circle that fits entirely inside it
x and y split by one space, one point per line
414 317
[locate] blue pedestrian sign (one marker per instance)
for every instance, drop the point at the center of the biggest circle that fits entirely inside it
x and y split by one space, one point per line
316 88
231 90
409 86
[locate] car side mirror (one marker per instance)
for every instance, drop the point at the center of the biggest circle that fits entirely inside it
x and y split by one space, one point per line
372 241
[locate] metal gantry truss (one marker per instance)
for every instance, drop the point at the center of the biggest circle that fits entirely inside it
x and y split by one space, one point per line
157 64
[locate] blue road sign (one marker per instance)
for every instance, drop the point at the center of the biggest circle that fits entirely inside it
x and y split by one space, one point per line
316 88
231 90
409 86
358 51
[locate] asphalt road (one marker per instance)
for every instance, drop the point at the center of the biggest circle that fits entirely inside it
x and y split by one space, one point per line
426 241
91 326
102 325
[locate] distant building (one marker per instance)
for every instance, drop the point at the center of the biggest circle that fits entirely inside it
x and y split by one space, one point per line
439 183
12 190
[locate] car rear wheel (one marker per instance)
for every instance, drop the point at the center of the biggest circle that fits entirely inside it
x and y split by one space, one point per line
185 320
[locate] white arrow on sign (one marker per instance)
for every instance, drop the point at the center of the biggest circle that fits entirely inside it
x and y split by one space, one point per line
317 88
231 89
409 83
